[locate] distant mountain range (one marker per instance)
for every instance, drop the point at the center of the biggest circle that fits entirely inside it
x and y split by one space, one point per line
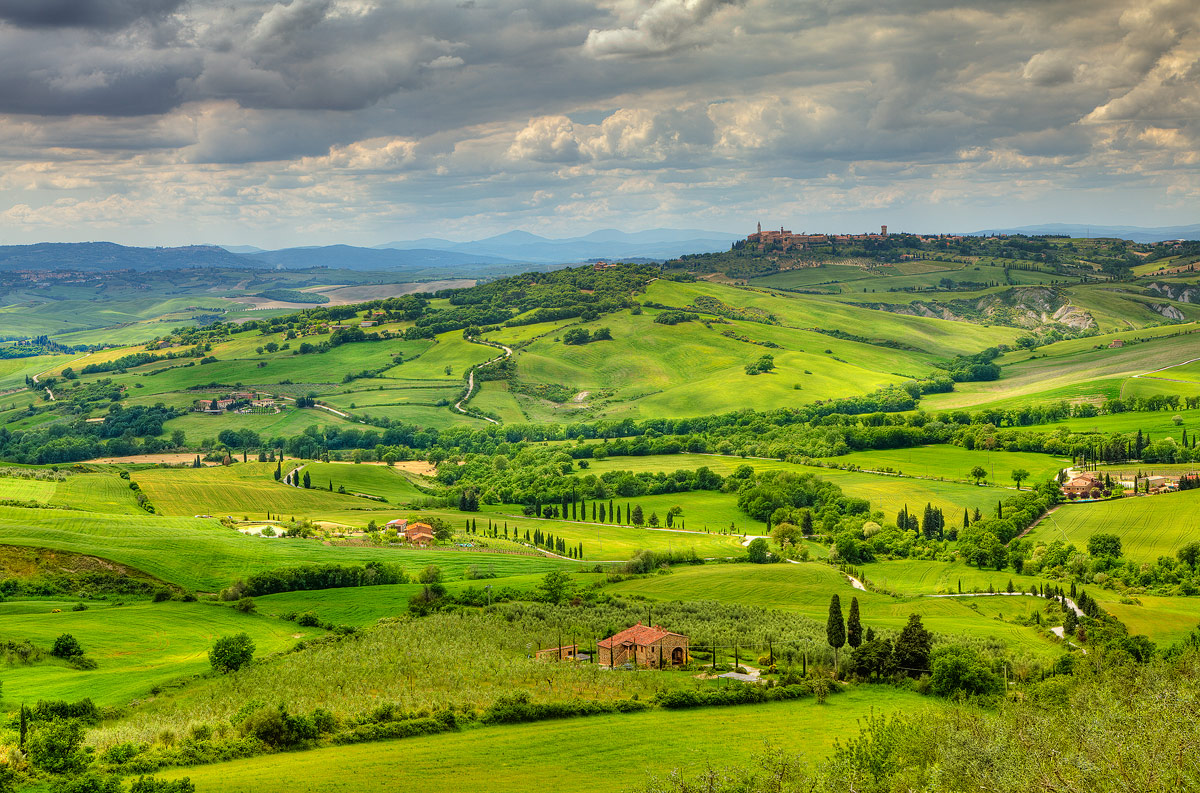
1132 233
108 256
603 244
506 253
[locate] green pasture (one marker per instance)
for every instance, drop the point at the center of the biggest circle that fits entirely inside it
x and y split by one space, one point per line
1166 620
650 369
955 462
930 577
608 542
291 421
807 588
600 753
1154 423
887 493
495 397
1149 526
1070 374
204 555
137 646
935 336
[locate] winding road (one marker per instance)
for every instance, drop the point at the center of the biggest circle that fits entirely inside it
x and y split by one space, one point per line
471 378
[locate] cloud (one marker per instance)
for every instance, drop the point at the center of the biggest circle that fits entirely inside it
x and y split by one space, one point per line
340 120
664 27
99 14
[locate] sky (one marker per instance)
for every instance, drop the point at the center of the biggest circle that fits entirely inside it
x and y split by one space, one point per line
168 122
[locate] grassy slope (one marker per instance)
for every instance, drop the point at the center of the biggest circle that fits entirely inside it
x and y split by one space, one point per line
204 555
137 646
1066 372
604 753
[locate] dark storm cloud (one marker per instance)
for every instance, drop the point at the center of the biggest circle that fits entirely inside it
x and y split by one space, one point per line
100 14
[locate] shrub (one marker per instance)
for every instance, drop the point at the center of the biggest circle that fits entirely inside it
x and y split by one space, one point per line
66 646
245 605
308 619
960 672
231 653
57 747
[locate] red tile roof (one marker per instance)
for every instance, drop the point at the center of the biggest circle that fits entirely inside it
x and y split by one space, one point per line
640 635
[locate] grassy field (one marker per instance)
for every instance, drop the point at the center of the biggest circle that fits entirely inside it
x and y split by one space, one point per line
1067 372
602 753
807 588
887 493
1166 620
204 555
244 489
137 646
1149 526
373 480
927 577
954 462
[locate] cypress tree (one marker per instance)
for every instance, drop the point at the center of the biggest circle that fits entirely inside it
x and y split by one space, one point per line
853 625
593 512
835 629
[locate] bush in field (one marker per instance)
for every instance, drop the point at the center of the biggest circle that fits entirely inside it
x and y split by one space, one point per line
960 672
231 653
57 747
66 646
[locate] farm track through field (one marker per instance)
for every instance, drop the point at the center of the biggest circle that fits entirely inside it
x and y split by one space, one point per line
471 378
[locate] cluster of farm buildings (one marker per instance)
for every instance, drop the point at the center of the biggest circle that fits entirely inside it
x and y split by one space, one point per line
240 402
1090 484
417 533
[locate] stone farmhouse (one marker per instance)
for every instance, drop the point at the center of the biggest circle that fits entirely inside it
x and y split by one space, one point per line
1083 485
643 645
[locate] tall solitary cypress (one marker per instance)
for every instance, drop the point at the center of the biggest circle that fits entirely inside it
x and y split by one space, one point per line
853 626
835 629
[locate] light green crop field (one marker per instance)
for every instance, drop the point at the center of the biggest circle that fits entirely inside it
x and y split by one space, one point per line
1149 526
955 462
244 489
95 492
136 646
600 753
1166 620
1188 373
807 588
201 554
372 480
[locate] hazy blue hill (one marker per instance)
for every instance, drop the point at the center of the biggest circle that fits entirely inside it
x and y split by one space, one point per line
600 244
1133 233
381 259
108 256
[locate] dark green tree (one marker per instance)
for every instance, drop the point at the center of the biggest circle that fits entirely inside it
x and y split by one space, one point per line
853 625
912 647
835 629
